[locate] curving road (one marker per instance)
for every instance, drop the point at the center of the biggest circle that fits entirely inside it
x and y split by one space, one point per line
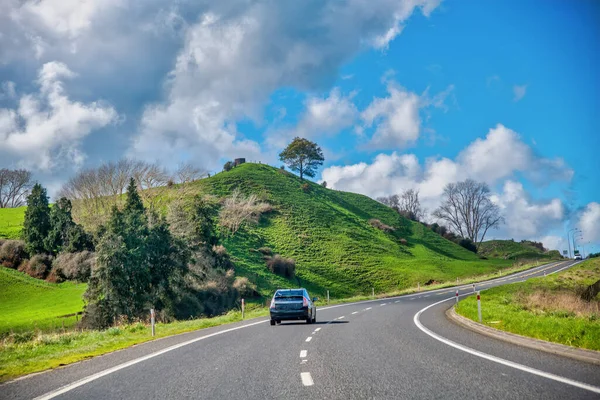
402 347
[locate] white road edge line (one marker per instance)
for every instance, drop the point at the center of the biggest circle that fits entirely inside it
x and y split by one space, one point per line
308 339
306 379
498 360
81 382
302 353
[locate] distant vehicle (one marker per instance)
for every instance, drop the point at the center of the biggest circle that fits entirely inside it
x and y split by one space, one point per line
292 304
578 257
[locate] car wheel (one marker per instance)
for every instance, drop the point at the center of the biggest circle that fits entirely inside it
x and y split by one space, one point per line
314 320
278 322
308 320
272 322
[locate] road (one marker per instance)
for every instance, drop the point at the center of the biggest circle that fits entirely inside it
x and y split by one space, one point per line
366 350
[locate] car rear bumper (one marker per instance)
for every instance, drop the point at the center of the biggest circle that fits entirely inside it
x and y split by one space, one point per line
286 315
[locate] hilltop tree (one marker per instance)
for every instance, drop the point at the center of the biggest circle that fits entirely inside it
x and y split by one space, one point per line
37 220
64 234
303 156
468 209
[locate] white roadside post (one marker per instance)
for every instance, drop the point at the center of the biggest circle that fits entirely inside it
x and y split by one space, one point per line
152 321
418 286
328 297
243 308
373 292
456 296
473 288
479 306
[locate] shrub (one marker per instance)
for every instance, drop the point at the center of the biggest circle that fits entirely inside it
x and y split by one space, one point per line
282 168
305 187
38 266
12 253
238 210
266 251
324 184
228 166
244 287
73 266
375 223
403 241
220 250
468 244
279 265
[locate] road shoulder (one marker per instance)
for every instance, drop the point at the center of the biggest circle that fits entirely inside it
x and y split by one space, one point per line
585 355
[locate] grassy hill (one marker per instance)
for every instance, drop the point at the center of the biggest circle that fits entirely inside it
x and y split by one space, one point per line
11 222
27 303
328 234
511 250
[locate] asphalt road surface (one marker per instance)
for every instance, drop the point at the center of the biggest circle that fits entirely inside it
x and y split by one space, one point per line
397 348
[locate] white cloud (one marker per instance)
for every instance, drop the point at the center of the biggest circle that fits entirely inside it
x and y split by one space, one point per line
7 90
233 58
47 127
524 217
519 92
396 117
589 222
553 242
495 158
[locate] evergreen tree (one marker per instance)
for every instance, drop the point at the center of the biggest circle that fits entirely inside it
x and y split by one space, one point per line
61 222
37 220
138 266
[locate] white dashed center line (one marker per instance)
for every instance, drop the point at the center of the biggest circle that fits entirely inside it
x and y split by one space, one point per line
302 353
368 308
397 301
412 298
383 304
317 330
342 317
308 339
355 312
306 379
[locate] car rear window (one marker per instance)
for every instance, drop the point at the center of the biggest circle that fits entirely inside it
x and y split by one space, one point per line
289 295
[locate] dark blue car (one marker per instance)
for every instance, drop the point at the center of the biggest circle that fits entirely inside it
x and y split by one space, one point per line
293 304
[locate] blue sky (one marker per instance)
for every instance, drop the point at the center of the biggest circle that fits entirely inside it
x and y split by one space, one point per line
399 94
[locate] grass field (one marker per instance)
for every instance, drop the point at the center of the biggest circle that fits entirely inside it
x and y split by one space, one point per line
545 308
27 303
11 222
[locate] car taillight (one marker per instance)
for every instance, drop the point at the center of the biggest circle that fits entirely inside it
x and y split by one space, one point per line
272 303
304 302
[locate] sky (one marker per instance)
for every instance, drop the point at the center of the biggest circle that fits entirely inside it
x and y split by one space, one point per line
400 94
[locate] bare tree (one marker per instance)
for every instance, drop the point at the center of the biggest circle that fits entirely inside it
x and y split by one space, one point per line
410 205
468 210
188 172
392 201
14 187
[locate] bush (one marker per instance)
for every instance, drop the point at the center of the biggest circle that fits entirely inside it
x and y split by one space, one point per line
266 251
468 244
12 253
324 184
73 266
228 166
377 224
305 187
285 267
220 250
38 266
403 241
244 287
238 210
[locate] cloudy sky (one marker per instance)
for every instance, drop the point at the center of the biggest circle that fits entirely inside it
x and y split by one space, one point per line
399 93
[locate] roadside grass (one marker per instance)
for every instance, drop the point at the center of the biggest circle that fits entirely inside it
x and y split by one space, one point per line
29 352
11 222
28 304
547 308
509 249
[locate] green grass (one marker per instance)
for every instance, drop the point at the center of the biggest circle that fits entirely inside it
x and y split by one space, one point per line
11 222
27 303
511 250
545 308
